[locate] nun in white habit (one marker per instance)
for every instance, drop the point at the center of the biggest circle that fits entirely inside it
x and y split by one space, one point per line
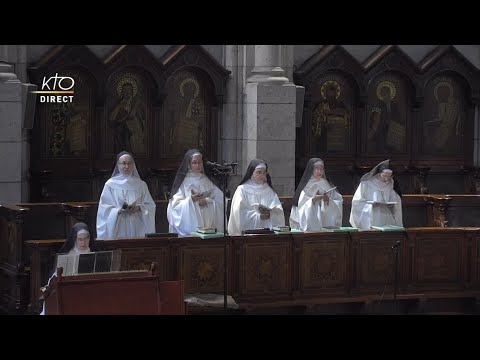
316 203
195 200
77 242
255 204
377 200
126 208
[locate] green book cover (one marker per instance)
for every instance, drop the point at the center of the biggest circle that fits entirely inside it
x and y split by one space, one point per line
389 228
207 236
292 231
345 229
339 229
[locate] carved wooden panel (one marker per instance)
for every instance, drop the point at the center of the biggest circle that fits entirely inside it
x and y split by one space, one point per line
8 292
127 117
442 262
119 104
438 260
67 125
186 112
43 262
332 115
324 264
41 214
373 260
265 266
8 243
201 267
387 115
57 189
397 116
443 116
141 259
472 258
476 260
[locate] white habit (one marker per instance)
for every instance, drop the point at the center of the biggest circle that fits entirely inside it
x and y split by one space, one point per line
110 224
364 215
244 214
185 216
313 216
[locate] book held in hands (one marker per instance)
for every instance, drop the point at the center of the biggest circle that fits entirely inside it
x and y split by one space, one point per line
202 195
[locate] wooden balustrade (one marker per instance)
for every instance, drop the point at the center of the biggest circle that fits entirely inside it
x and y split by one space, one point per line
40 221
301 269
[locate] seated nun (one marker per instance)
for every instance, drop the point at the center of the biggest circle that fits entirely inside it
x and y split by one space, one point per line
77 242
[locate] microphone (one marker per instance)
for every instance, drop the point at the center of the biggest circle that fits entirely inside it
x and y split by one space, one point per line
397 244
213 164
217 165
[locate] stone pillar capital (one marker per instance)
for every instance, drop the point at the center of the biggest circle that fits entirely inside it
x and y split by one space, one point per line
6 73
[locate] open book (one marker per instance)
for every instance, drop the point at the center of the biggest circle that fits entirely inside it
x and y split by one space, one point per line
321 191
91 262
203 195
330 190
127 206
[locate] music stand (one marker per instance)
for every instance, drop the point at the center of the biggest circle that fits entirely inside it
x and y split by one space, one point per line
221 172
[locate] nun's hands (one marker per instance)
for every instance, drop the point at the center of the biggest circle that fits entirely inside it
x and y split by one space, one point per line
264 214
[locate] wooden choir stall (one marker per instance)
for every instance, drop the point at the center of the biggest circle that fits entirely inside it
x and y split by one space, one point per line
290 270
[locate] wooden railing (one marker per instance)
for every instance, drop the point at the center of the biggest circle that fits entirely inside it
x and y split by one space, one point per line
40 221
301 269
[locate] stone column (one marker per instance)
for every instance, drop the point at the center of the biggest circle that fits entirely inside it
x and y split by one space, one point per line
476 139
269 126
14 150
230 148
267 65
10 135
15 55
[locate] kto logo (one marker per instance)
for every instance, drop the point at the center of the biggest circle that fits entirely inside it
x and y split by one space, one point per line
57 85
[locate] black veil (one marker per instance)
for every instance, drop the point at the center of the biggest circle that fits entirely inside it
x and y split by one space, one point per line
251 168
307 174
69 243
385 164
183 170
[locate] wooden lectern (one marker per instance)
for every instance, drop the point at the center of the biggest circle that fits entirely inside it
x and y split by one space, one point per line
114 293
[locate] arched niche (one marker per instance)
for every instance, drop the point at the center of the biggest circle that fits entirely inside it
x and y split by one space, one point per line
192 88
329 125
61 139
387 126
